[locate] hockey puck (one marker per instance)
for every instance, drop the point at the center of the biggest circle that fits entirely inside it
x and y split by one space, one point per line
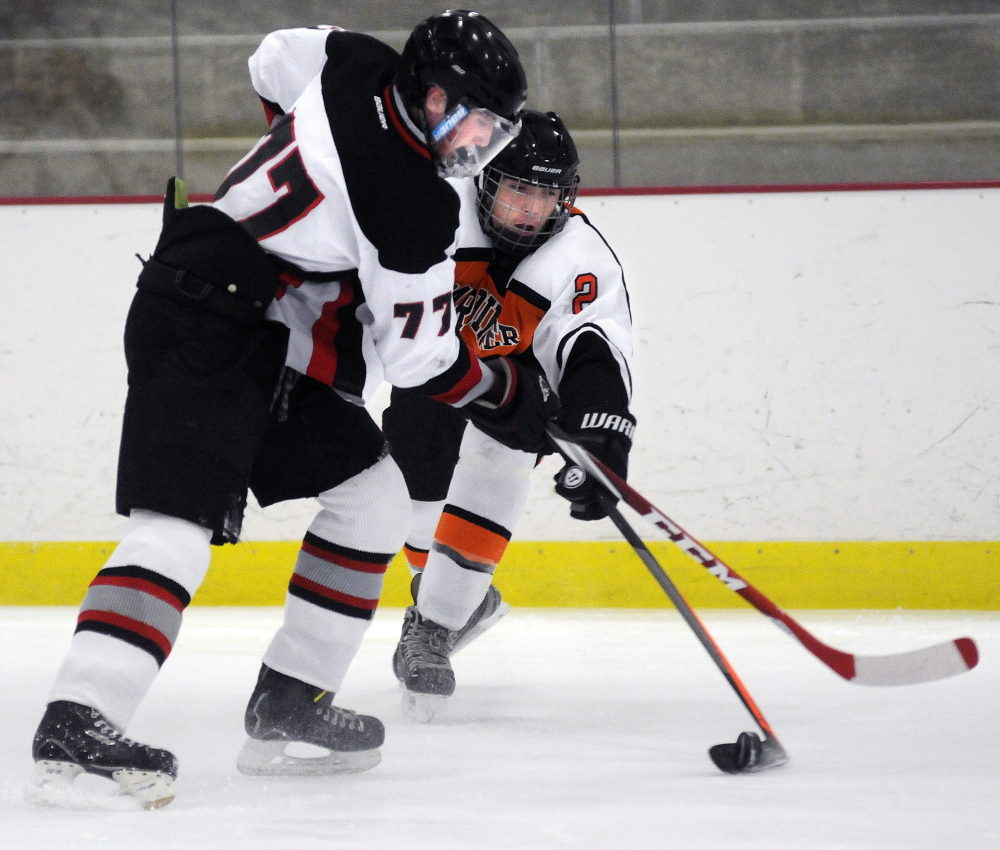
749 754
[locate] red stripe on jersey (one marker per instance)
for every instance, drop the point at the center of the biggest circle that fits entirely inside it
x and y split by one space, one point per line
323 363
343 560
286 279
401 128
330 593
127 623
142 586
469 381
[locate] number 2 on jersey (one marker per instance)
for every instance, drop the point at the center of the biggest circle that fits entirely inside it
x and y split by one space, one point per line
586 291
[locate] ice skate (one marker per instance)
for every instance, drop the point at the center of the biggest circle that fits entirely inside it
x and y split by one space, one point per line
422 658
73 739
296 730
421 664
485 617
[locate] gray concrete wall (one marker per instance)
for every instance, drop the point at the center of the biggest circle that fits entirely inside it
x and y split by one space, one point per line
701 102
74 18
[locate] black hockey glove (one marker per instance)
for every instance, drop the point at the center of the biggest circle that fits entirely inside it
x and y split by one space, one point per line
608 437
518 407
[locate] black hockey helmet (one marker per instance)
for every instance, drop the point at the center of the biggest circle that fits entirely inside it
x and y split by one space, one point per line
540 164
478 68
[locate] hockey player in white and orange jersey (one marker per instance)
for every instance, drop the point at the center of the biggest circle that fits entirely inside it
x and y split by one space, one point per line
537 283
325 261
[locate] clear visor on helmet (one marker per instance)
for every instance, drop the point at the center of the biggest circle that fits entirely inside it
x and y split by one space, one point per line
468 138
519 215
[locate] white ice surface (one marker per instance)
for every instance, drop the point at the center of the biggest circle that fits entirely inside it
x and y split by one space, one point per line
569 729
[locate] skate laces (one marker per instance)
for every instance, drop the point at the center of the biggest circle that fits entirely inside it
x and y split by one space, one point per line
106 734
426 641
342 717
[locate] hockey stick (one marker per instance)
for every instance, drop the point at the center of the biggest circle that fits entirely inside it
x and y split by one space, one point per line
750 753
920 665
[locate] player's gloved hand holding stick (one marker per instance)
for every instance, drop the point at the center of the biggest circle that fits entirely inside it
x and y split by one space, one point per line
607 435
517 409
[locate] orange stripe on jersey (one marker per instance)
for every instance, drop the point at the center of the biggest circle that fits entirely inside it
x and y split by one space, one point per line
524 316
493 324
471 272
470 539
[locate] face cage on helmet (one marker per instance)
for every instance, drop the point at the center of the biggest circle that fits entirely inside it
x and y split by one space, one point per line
469 122
490 212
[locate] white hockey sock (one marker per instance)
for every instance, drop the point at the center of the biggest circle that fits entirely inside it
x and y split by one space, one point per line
485 499
131 615
335 588
424 520
449 593
107 674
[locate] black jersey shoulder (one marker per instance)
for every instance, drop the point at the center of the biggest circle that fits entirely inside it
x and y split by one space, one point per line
474 255
403 208
501 269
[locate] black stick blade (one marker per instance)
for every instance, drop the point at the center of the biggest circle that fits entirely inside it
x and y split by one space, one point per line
749 754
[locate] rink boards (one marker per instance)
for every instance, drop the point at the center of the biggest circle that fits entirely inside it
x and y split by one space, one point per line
814 380
949 575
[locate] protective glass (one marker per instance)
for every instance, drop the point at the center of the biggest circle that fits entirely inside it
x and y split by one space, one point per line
468 138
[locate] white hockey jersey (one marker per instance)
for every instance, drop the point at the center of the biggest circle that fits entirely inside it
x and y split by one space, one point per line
571 285
342 192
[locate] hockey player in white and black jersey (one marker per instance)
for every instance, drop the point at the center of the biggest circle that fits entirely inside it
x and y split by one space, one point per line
536 282
326 260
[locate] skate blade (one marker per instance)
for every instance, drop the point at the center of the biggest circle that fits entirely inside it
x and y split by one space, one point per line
269 758
149 789
52 786
420 707
483 625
